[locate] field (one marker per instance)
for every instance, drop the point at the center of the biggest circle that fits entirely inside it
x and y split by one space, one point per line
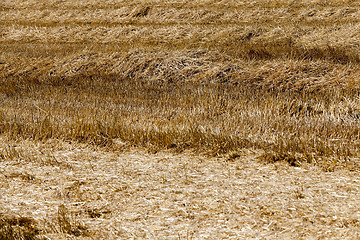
179 119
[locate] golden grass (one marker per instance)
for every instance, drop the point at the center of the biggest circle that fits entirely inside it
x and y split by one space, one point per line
58 190
151 105
281 78
211 76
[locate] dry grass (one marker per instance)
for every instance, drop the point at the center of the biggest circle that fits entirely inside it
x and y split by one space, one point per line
206 117
212 77
77 192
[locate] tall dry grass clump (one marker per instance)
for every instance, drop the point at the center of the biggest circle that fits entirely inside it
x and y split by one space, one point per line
13 228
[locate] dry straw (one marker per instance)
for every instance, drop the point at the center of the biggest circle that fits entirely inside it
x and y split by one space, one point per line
279 78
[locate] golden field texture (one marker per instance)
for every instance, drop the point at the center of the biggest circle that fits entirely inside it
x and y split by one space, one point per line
57 190
279 80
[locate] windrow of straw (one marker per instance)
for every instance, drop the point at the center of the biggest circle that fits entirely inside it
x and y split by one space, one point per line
211 76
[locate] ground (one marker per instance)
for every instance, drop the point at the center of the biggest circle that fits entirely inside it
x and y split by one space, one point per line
81 192
203 119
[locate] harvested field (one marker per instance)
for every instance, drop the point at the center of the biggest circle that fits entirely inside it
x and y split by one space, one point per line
207 119
71 191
